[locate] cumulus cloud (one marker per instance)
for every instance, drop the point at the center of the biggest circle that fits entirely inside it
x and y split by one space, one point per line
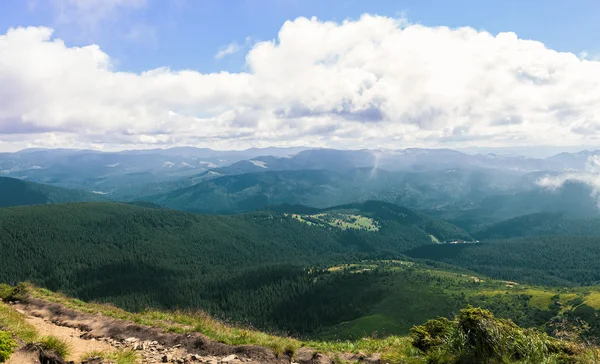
371 82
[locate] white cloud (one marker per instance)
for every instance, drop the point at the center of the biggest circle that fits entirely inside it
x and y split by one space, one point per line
230 49
373 82
589 177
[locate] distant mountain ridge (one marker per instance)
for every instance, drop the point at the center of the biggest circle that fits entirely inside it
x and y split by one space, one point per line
411 160
442 181
15 192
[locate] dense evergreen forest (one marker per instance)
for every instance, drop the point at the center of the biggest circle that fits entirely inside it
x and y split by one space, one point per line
295 269
542 224
255 267
544 260
16 192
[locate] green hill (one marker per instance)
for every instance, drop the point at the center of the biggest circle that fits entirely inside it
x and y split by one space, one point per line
549 224
255 191
451 189
16 192
335 273
137 257
546 260
382 217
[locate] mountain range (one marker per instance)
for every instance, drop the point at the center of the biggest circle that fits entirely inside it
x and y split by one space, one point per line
471 190
318 243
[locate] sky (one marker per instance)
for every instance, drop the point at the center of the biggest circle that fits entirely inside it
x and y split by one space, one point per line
233 74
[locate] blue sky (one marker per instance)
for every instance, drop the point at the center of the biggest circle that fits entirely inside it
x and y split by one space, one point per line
235 74
186 34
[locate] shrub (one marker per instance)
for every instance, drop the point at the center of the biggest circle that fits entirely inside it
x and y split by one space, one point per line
18 293
476 336
5 291
7 345
433 333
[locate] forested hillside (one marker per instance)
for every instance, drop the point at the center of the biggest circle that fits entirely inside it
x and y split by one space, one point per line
371 215
447 190
546 260
16 192
542 224
339 272
254 191
246 267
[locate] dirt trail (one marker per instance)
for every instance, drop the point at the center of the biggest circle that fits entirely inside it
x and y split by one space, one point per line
72 336
23 357
96 332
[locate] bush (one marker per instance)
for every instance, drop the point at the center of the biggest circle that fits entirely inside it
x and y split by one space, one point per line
5 291
56 345
18 293
7 345
433 333
476 336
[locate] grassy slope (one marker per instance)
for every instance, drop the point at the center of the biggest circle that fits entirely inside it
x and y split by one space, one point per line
394 349
416 294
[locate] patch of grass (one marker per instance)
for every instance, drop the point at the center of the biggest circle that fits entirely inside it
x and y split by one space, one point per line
45 292
7 345
593 300
375 326
339 220
117 357
14 322
539 298
56 345
566 297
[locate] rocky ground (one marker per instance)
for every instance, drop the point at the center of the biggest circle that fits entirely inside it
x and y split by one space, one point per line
88 333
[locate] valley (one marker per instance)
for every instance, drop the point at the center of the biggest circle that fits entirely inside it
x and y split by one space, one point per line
320 256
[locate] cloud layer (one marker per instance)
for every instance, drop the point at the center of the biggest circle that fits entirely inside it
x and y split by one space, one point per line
373 82
590 177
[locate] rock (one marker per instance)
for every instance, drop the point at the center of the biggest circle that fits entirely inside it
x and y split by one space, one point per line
229 358
167 358
308 356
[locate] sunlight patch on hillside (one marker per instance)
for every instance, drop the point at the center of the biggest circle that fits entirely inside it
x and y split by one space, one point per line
340 220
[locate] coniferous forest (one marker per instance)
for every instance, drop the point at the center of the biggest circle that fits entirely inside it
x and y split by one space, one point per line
291 269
